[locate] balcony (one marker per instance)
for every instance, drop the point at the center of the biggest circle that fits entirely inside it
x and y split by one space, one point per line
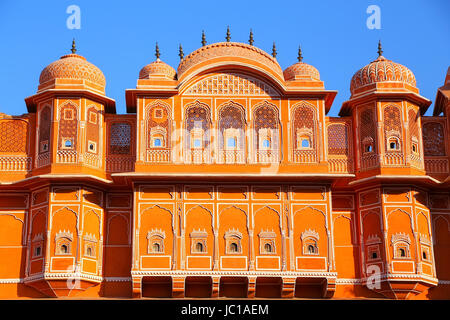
15 163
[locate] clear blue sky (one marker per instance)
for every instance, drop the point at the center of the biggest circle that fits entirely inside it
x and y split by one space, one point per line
119 37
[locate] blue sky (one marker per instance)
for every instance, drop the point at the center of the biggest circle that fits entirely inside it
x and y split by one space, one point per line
119 37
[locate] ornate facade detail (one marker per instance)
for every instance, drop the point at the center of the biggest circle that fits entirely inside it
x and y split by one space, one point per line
228 84
400 237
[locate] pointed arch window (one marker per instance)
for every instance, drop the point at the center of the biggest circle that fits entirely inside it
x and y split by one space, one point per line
231 133
198 127
158 132
266 126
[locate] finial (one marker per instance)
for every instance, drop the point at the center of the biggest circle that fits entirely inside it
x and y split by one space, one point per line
181 53
299 57
274 50
228 37
157 53
250 40
203 38
380 50
74 49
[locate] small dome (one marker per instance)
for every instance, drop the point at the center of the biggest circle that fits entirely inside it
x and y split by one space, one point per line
301 70
73 66
157 68
381 70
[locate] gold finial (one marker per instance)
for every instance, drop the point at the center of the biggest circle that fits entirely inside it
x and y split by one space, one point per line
228 37
203 38
181 53
274 50
250 40
157 53
299 57
74 49
380 50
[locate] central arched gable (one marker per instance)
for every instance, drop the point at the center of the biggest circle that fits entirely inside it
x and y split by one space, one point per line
229 83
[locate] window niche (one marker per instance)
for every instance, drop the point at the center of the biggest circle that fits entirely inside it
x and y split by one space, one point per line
373 243
425 248
304 138
37 245
90 244
198 241
310 242
267 243
155 241
400 243
63 243
368 145
393 141
158 137
233 242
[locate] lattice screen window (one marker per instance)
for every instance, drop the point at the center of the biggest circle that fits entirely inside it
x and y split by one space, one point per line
198 121
266 117
231 127
338 143
433 139
68 127
120 138
304 127
13 136
44 130
392 128
367 133
413 121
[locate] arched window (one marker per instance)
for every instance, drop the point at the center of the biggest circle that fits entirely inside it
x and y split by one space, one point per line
63 243
233 241
400 243
156 247
199 247
68 144
268 248
198 126
231 133
158 121
155 240
233 247
266 133
367 131
44 129
68 126
304 133
310 239
392 128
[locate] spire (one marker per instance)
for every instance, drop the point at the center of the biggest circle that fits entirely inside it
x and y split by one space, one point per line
74 49
299 57
157 53
250 40
228 37
181 53
380 50
274 50
203 38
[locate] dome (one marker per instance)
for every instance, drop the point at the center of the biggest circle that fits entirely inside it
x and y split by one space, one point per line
230 52
157 68
73 66
381 70
301 70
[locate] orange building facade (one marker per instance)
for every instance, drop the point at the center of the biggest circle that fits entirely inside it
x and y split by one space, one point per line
226 178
